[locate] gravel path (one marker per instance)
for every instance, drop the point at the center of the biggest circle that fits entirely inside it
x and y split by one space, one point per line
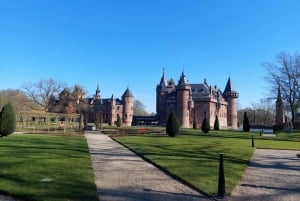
123 176
272 175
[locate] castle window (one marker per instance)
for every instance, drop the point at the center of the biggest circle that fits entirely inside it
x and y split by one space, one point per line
118 108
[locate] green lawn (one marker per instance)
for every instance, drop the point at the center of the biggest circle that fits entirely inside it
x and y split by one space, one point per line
194 156
43 167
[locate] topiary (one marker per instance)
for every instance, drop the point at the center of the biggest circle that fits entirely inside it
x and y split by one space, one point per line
194 124
172 127
205 125
246 124
216 124
119 121
7 120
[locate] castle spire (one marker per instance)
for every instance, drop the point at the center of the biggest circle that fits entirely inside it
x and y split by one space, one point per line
229 90
279 97
98 93
163 80
280 116
182 80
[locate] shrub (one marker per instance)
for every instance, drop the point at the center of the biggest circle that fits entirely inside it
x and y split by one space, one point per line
194 124
216 124
119 121
277 128
205 125
246 124
173 126
7 120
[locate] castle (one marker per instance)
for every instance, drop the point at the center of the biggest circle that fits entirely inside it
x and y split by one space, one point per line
194 102
112 108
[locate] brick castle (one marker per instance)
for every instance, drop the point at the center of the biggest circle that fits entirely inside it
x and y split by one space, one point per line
193 102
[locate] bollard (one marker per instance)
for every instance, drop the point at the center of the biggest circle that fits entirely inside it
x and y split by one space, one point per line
221 183
252 141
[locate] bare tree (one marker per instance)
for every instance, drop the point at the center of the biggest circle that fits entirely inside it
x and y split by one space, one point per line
41 91
259 114
139 109
285 73
16 98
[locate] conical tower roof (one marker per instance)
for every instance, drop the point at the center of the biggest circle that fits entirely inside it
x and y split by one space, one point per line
163 82
182 80
127 93
229 90
279 97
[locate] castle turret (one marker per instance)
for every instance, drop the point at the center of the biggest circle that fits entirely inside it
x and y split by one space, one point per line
279 119
183 93
98 94
231 96
128 100
161 94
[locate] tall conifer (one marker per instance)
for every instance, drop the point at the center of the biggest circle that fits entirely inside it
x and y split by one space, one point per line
7 120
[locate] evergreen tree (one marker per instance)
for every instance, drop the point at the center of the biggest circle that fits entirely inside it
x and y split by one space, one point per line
7 120
205 125
216 124
194 124
246 124
119 121
173 126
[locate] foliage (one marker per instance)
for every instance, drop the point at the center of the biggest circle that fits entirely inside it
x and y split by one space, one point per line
46 168
194 124
216 124
246 124
205 125
119 121
7 120
277 128
284 73
173 126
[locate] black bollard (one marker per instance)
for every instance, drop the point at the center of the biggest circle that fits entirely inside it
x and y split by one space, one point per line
252 141
221 183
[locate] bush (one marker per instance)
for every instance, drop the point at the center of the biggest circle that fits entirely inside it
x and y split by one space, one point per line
277 128
194 124
246 124
119 121
7 120
173 126
205 125
216 124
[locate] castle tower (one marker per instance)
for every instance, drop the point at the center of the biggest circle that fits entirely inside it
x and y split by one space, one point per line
279 119
161 94
183 91
128 100
231 96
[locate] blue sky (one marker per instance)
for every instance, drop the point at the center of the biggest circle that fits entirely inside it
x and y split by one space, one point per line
120 43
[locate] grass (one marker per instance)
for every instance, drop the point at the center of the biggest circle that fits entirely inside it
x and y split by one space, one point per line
194 157
43 167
